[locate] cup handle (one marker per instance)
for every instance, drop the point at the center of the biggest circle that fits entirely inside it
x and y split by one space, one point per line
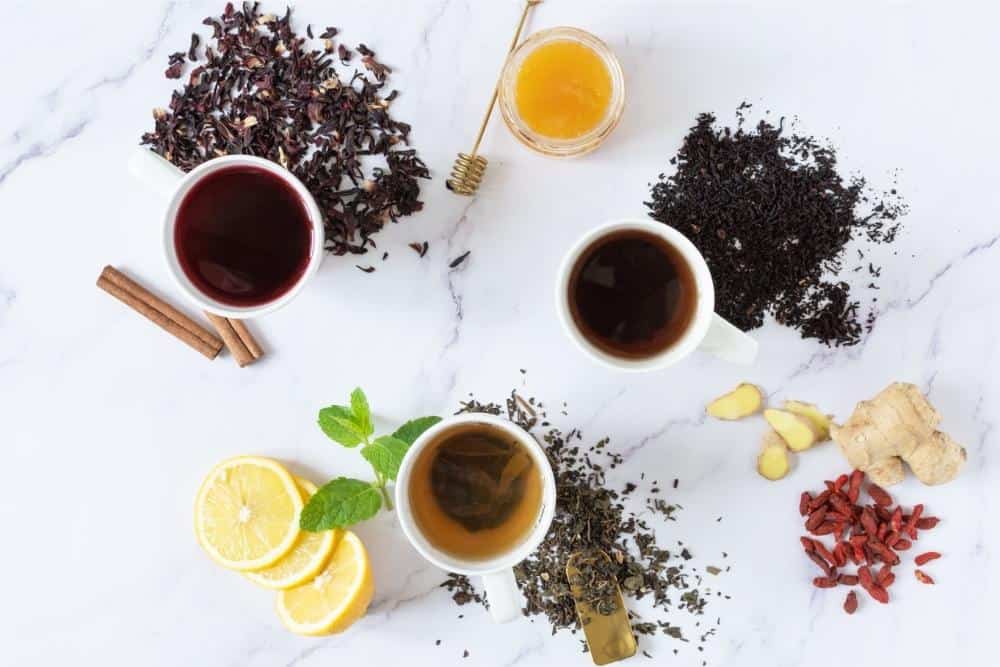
503 595
156 173
728 343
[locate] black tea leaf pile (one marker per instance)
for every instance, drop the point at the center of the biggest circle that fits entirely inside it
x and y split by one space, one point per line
773 217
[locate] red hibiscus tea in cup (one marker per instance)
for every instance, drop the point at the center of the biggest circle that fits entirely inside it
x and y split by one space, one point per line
243 236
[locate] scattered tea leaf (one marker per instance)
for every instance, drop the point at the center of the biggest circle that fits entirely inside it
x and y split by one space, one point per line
458 260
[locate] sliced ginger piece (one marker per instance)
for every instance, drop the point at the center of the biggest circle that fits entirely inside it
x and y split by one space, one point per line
820 420
797 432
772 462
741 402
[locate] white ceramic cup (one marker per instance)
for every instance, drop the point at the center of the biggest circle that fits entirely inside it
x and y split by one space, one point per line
498 576
173 185
707 331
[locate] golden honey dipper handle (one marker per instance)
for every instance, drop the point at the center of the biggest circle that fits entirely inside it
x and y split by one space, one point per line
469 168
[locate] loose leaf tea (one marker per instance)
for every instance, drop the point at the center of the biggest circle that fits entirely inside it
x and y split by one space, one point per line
591 517
262 92
773 217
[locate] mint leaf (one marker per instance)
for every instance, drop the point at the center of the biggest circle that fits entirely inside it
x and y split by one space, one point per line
340 503
337 421
385 455
411 430
362 413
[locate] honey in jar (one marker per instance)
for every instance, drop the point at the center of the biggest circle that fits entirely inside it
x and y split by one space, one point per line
563 89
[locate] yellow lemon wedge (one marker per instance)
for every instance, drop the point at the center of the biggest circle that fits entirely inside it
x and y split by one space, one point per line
336 597
246 515
306 558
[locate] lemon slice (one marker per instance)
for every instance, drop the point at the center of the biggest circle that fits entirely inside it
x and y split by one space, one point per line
337 597
246 515
306 558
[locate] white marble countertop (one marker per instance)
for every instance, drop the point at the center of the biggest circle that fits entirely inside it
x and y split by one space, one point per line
107 425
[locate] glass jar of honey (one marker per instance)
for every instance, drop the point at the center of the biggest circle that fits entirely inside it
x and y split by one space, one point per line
562 92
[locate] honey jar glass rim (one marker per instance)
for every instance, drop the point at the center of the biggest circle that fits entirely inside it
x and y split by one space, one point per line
548 145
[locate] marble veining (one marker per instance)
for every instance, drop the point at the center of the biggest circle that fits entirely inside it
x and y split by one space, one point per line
108 425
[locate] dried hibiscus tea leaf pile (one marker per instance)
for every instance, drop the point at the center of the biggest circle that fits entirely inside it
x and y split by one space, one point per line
870 537
261 91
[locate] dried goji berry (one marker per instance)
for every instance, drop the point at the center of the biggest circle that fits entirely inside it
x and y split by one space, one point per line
840 481
877 592
804 501
823 565
825 528
865 576
884 552
902 544
927 522
854 487
911 524
824 582
819 500
889 580
926 557
879 495
868 522
896 520
922 577
839 557
841 504
851 602
807 544
823 552
848 580
883 530
882 513
882 573
891 539
858 555
815 519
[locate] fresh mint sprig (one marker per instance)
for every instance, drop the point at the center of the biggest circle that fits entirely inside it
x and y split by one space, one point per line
344 501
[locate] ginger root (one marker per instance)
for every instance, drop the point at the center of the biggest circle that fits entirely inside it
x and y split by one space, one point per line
898 425
797 432
741 402
820 421
772 462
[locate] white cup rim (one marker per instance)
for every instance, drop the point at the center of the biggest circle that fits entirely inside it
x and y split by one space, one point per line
188 288
704 307
475 567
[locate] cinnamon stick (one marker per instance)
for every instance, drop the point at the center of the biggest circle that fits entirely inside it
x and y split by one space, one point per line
237 338
159 312
247 338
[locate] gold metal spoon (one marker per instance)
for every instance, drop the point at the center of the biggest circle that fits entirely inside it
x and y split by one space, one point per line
602 614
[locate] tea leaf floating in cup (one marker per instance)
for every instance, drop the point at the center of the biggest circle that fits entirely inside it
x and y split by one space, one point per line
475 492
